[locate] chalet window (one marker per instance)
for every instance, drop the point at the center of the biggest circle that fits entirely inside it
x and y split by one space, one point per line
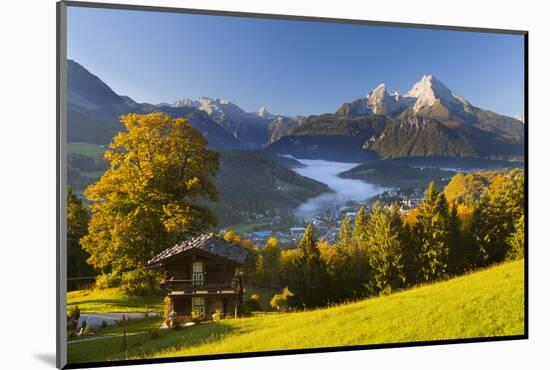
198 273
199 306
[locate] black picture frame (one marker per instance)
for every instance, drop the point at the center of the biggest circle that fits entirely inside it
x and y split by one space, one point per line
61 188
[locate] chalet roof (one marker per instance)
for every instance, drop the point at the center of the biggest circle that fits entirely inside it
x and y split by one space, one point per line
209 243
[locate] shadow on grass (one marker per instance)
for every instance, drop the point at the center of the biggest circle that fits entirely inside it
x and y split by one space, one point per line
142 346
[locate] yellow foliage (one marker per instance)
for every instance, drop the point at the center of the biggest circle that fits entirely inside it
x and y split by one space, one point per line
147 200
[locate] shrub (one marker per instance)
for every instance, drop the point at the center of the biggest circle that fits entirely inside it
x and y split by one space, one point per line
254 303
244 310
105 281
196 317
84 324
280 301
218 315
71 323
103 324
74 312
139 282
153 333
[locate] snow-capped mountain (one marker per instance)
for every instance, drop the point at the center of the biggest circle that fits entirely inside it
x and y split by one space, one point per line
222 110
429 91
430 98
185 103
262 112
426 94
253 129
378 101
430 120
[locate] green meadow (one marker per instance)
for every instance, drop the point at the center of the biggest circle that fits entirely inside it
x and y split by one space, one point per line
90 150
112 300
481 304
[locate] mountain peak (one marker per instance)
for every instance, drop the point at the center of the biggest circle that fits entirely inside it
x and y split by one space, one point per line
429 86
378 90
429 90
263 112
185 102
378 100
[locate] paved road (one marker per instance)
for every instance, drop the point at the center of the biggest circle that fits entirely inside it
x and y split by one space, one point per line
95 319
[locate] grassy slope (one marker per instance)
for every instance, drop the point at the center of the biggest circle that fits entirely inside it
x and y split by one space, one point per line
112 300
486 303
133 326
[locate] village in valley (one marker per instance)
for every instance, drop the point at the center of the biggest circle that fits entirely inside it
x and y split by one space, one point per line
327 221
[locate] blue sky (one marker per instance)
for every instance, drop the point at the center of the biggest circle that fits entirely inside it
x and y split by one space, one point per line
290 67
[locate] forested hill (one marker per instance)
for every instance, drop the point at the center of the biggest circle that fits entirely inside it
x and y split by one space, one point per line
389 174
252 185
360 138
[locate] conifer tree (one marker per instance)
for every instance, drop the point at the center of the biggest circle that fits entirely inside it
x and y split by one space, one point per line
345 234
504 209
432 235
355 271
457 251
516 241
309 268
78 218
385 243
359 228
496 215
478 237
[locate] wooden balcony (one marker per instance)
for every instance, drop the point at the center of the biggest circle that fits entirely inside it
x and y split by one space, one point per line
194 287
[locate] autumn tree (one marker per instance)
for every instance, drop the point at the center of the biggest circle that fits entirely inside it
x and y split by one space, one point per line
149 197
271 259
280 302
253 265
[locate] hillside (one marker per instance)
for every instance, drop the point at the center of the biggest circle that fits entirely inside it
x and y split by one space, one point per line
331 137
483 304
421 137
388 174
250 184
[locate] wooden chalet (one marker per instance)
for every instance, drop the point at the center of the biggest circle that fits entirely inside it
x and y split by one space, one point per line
201 275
